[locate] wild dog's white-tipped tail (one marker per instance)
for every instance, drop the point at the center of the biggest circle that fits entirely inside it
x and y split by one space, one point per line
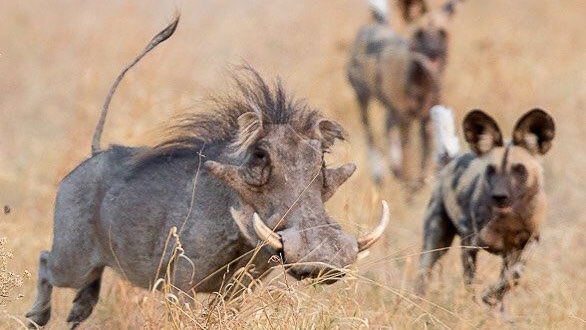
447 145
379 9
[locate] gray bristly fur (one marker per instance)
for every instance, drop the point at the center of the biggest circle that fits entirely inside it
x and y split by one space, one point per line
492 198
257 151
404 75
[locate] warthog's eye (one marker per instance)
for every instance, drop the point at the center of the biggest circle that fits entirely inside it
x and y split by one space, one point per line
258 167
259 157
520 171
259 154
490 170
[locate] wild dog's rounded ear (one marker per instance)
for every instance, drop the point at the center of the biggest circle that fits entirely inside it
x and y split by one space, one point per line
481 132
327 131
449 7
250 129
412 9
334 178
534 131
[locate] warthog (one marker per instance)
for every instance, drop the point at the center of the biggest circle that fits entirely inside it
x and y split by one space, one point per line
492 198
251 171
404 75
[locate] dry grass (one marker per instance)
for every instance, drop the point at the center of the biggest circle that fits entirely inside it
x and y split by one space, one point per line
58 59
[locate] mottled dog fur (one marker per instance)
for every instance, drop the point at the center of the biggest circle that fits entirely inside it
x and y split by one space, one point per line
404 74
492 198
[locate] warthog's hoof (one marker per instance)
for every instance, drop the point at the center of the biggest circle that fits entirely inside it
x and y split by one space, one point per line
78 313
38 318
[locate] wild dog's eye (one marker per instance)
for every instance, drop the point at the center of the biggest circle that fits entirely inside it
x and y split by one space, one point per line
443 34
520 171
490 170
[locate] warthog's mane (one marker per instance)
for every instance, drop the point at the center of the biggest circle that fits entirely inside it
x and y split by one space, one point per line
218 125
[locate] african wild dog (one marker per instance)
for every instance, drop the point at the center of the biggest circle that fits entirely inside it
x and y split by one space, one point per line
404 74
492 198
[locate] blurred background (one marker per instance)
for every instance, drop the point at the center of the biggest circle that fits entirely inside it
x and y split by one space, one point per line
59 58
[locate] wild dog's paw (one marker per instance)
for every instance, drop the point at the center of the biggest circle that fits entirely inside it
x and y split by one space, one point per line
492 296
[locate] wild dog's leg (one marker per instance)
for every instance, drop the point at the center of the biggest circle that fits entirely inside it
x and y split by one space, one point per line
512 269
426 146
468 261
374 157
395 153
438 234
84 302
405 136
40 313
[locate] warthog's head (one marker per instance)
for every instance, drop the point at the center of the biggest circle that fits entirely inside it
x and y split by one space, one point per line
513 172
283 183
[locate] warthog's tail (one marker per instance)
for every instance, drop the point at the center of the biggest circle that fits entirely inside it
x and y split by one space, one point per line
379 10
447 145
160 37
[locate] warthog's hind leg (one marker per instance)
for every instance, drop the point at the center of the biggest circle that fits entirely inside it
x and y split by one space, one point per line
40 313
84 302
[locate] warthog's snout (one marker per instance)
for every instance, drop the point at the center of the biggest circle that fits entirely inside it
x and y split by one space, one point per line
319 252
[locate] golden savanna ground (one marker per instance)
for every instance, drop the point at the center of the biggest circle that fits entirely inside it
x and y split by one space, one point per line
58 59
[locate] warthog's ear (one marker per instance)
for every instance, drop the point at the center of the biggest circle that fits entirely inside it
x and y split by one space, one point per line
249 130
481 132
534 131
334 178
327 131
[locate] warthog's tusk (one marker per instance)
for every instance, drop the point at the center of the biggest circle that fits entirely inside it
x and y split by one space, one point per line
362 255
266 234
366 241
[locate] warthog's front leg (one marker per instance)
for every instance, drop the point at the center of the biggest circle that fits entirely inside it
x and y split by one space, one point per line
84 303
513 267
